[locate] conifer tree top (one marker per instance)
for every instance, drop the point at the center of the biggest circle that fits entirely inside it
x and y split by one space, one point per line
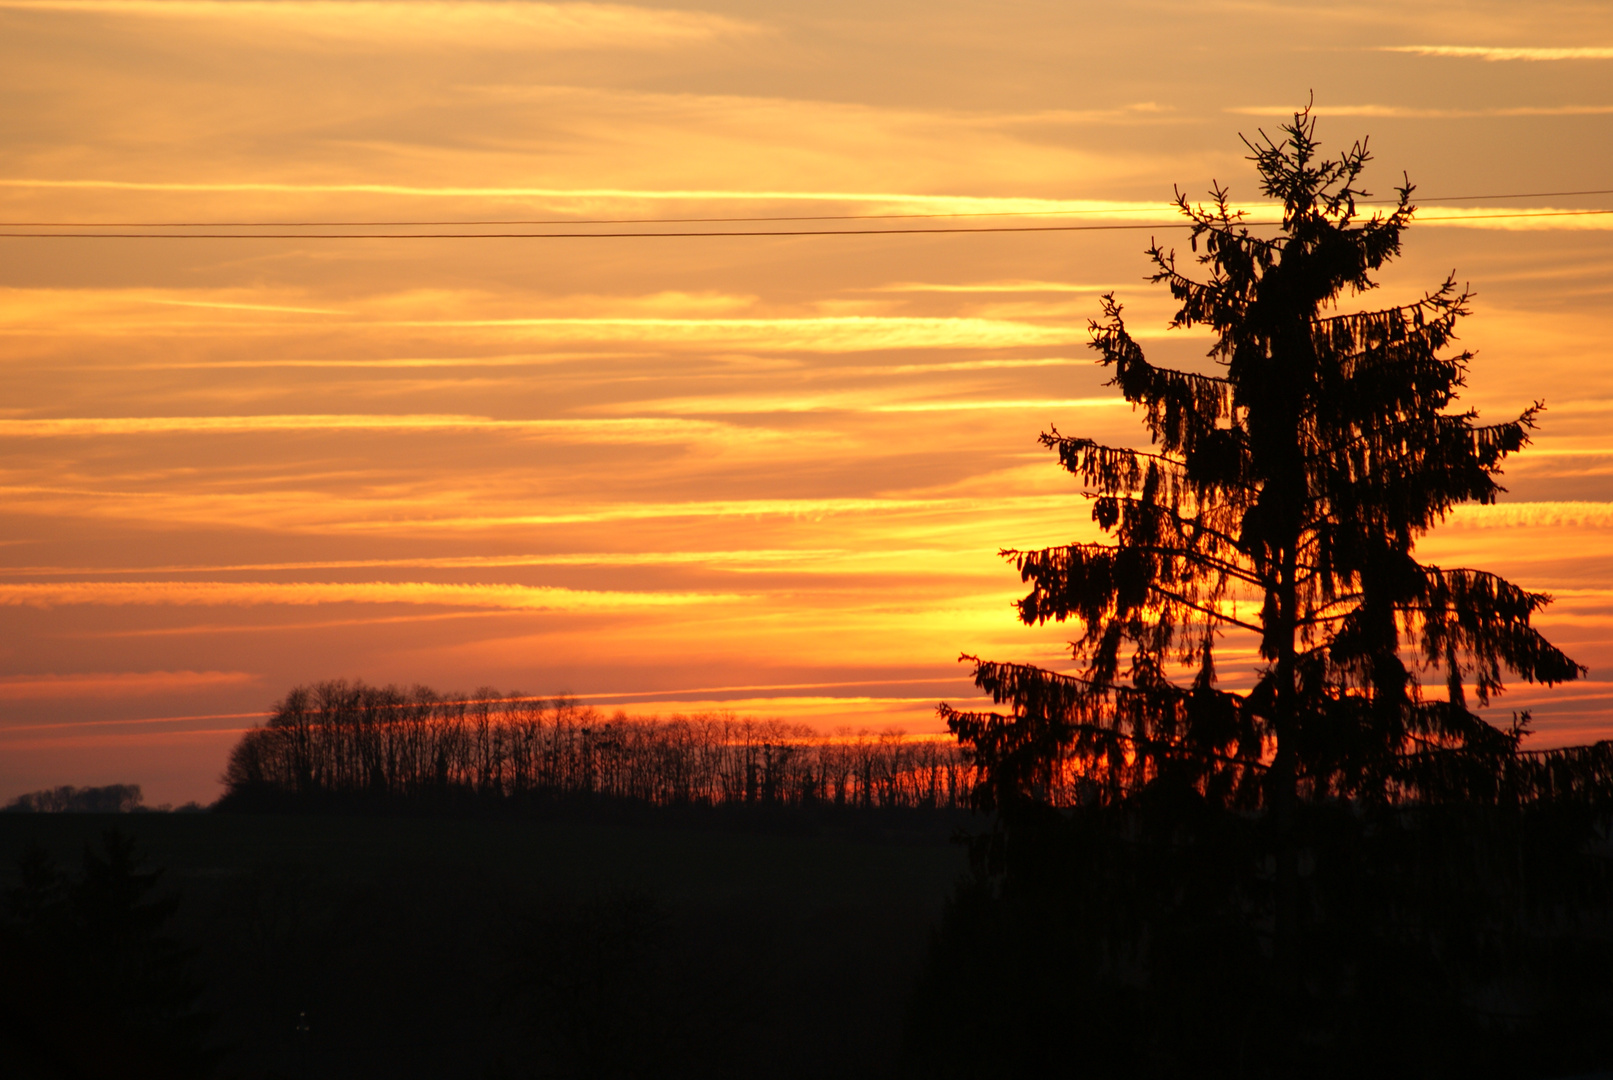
1279 503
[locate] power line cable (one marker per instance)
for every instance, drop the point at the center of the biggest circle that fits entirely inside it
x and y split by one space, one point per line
597 235
690 220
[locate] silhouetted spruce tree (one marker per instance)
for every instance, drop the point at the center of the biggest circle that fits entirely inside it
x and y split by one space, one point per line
1280 501
92 983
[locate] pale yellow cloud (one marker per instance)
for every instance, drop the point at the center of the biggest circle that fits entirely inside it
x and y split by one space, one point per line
226 306
1507 52
1514 220
1532 515
872 201
859 401
379 25
519 360
462 317
239 593
1413 112
968 405
993 286
967 513
968 365
626 429
846 333
792 560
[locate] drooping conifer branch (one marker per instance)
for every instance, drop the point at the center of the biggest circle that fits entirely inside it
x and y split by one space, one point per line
1295 484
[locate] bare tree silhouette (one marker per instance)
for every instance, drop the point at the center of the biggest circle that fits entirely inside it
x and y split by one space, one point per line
351 740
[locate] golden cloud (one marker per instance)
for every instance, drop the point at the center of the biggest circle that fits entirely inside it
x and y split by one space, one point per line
625 429
388 24
303 593
1494 52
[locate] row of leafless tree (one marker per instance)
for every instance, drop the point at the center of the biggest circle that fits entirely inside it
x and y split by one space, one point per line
339 738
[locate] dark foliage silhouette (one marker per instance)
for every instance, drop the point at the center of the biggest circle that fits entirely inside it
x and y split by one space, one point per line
1331 872
591 974
1279 507
623 984
1136 940
504 945
339 741
94 986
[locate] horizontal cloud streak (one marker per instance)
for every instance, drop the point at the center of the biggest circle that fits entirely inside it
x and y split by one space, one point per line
743 508
832 333
47 317
1025 403
304 593
1412 112
117 684
1533 515
589 196
994 286
374 25
630 429
794 560
1516 219
1498 52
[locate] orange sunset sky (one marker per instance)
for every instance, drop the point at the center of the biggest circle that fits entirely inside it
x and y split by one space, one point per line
767 474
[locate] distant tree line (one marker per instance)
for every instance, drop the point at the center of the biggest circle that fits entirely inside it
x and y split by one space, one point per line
109 799
352 741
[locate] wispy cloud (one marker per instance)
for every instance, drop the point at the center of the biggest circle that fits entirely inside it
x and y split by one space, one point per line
1018 403
519 360
628 429
13 729
1534 515
857 401
590 197
970 365
303 593
1499 52
794 560
740 508
836 333
228 306
54 316
117 684
1517 219
380 24
994 286
1414 112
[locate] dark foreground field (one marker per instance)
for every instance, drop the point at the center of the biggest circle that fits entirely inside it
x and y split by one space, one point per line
714 944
